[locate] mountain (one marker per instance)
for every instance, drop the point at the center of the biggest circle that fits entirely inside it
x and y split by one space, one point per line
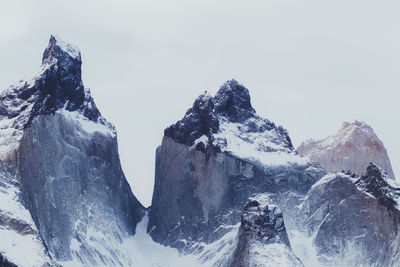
63 198
352 148
212 160
230 189
353 220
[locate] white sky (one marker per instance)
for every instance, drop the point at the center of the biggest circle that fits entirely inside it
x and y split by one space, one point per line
309 65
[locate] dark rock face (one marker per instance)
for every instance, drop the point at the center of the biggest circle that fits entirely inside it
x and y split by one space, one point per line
375 181
263 223
262 237
354 220
5 263
63 157
202 181
198 121
231 103
60 86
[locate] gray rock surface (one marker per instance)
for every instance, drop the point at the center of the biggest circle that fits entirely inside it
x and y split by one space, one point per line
61 176
202 180
262 237
353 220
352 148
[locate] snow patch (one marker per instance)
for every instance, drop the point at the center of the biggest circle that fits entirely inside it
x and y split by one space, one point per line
72 50
262 147
86 124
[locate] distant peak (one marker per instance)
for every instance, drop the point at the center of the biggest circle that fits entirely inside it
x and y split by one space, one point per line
233 101
354 124
60 50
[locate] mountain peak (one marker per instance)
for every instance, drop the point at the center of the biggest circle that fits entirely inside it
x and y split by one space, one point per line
56 85
231 107
376 182
352 147
60 50
233 101
354 126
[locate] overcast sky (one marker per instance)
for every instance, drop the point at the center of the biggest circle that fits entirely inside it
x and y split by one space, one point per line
309 65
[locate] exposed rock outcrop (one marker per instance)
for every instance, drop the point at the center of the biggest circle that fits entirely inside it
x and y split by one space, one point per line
353 220
213 160
262 238
352 148
61 168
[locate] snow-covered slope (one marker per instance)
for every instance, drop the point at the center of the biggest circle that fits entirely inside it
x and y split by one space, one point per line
63 195
352 148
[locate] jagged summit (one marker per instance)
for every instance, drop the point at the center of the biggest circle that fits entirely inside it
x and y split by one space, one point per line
209 116
60 50
64 199
352 147
56 85
262 236
233 101
377 182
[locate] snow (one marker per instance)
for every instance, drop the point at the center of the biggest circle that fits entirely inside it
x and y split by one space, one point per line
13 214
87 125
22 250
220 251
145 252
272 255
138 250
304 248
203 139
72 50
261 147
10 204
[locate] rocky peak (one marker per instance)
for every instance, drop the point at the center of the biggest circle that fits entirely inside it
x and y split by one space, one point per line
233 101
207 122
376 182
61 51
262 237
352 147
200 120
56 85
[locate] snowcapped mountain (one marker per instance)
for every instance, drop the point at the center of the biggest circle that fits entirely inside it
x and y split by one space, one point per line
212 161
230 189
63 196
352 148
